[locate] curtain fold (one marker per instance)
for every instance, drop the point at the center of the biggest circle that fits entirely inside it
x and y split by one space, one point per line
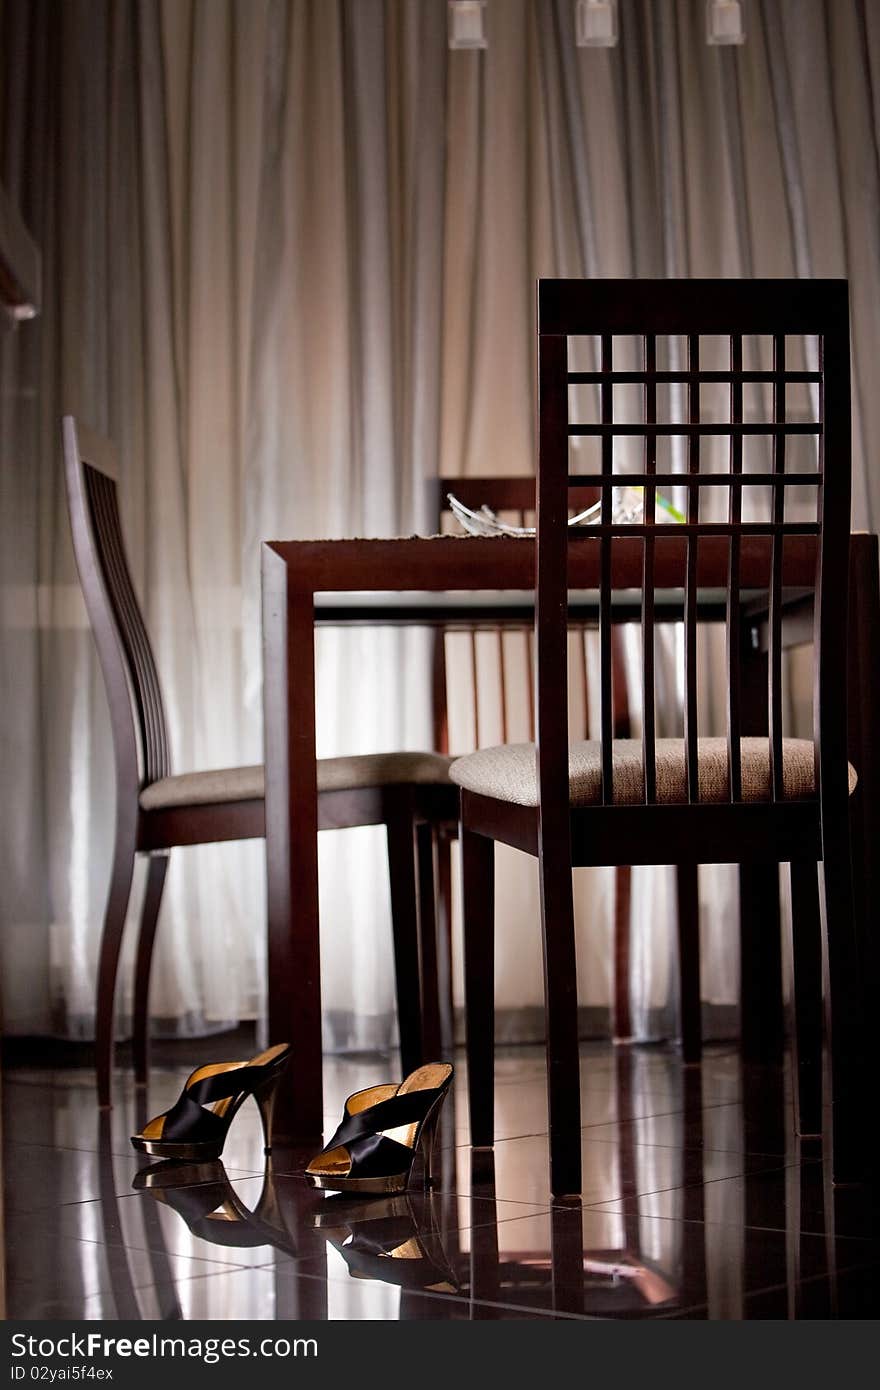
290 249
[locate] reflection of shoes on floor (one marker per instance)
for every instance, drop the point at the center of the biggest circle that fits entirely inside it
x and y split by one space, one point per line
388 1242
342 1210
205 1199
171 1173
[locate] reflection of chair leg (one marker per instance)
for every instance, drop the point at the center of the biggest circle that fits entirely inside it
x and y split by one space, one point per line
626 1119
444 937
692 1198
766 1117
687 881
404 921
806 956
852 1145
118 1268
485 1275
561 1006
830 1222
297 1298
567 1258
762 1024
108 965
478 912
163 1275
156 872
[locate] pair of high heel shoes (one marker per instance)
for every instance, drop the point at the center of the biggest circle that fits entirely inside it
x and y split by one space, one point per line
383 1130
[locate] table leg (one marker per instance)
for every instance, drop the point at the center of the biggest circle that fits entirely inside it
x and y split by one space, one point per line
863 693
294 964
863 677
762 1024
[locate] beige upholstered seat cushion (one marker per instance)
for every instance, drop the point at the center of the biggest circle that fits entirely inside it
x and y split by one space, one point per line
508 773
334 774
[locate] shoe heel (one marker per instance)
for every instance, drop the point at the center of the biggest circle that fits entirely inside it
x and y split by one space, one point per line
427 1140
265 1097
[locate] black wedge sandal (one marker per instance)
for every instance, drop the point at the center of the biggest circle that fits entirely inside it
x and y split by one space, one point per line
192 1131
383 1128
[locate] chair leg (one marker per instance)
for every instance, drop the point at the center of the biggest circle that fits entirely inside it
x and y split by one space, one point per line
852 1110
444 937
687 882
108 964
405 928
429 981
478 925
806 958
561 1001
156 872
762 1024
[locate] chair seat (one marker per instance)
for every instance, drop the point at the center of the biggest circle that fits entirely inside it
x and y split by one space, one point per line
334 775
508 772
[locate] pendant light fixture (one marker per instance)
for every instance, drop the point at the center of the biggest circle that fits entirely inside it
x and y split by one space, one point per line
724 22
596 23
467 24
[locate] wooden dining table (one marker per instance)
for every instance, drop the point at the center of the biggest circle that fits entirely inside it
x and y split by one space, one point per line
473 581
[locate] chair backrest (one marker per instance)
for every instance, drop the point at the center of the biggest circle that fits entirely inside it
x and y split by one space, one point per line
513 498
137 712
650 321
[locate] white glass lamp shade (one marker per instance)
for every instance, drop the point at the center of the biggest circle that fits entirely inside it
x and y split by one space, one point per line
596 23
724 22
467 28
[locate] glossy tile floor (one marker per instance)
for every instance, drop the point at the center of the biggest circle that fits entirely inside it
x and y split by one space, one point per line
698 1202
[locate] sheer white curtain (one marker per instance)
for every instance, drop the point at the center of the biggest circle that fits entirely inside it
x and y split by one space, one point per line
290 250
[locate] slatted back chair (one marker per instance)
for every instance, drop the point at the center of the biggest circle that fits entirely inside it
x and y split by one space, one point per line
156 810
515 501
698 800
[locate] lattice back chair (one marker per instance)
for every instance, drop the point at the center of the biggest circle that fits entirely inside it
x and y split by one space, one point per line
514 500
156 810
695 800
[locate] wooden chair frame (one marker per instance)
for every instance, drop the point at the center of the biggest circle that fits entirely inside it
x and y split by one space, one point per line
774 555
142 756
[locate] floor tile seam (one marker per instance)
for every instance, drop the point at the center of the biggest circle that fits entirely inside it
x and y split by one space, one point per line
755 1172
118 1196
691 1148
807 1281
343 1282
606 1209
116 1245
108 1243
125 1154
703 1182
217 1266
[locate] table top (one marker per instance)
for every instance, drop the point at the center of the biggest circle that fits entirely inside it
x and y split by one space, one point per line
473 563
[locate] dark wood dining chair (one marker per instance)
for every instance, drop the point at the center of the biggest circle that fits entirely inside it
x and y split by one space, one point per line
696 800
157 810
514 500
